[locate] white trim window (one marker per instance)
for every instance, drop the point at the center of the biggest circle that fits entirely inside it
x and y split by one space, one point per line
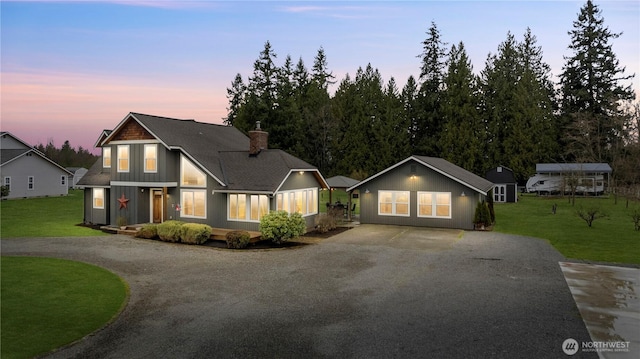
7 182
123 158
151 158
434 204
98 198
63 180
247 207
194 203
30 183
190 175
303 201
106 157
393 203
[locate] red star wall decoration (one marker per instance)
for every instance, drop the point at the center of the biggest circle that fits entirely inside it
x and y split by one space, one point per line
123 201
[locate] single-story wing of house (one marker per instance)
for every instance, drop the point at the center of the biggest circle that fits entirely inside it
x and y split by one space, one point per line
27 172
506 186
154 169
422 191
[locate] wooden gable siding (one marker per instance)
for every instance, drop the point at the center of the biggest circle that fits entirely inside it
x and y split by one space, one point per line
426 180
132 131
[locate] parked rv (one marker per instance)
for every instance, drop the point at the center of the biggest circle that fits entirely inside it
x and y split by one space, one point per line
553 178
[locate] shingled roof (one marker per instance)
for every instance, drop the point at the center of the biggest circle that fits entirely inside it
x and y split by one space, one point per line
222 151
443 167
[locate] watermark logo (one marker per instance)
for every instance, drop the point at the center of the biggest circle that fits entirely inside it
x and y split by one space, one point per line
570 346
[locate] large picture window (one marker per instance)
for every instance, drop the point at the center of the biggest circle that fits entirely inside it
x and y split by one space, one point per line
304 201
106 157
194 204
98 198
190 175
393 203
434 204
123 158
151 158
244 207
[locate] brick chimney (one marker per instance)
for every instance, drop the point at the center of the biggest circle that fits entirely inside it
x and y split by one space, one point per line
257 140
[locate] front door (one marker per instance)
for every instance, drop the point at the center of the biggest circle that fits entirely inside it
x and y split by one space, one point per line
156 205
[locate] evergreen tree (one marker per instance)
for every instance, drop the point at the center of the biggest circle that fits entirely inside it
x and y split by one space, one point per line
463 135
428 122
235 95
592 89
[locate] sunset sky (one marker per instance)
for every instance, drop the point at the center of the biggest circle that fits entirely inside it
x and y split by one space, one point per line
70 69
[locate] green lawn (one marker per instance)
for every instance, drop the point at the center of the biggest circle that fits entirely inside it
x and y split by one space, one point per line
47 303
44 217
610 239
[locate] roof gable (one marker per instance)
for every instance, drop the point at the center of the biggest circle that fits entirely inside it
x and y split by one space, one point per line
443 167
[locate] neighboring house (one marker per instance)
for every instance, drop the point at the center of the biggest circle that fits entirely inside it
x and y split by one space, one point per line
155 169
28 172
584 178
76 175
422 191
506 186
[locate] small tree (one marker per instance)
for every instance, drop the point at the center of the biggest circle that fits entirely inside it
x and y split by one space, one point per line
590 214
635 215
4 191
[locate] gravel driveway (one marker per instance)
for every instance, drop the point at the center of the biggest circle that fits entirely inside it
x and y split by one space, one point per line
370 292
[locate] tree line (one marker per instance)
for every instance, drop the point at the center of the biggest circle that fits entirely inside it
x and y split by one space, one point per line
511 113
67 156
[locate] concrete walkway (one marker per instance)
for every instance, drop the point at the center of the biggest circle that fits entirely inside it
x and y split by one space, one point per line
369 292
608 298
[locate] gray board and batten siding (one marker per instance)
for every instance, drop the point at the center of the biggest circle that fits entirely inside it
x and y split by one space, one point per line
415 176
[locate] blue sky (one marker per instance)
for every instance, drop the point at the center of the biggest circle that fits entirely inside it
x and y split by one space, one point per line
72 68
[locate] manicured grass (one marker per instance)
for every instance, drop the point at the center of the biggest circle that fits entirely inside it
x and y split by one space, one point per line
48 302
44 217
610 239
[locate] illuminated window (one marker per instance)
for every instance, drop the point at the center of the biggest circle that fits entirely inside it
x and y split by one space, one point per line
190 175
194 204
98 198
151 158
123 158
393 203
106 157
434 204
244 207
303 201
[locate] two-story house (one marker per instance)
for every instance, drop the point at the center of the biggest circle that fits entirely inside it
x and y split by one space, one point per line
27 172
154 169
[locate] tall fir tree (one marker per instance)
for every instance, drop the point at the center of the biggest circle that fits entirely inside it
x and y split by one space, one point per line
429 121
235 95
463 135
592 89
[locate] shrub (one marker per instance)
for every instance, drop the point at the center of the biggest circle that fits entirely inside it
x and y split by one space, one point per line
4 191
326 223
169 231
237 239
148 231
195 233
482 216
279 226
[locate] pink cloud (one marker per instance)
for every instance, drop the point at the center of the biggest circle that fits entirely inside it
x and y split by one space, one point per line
42 106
